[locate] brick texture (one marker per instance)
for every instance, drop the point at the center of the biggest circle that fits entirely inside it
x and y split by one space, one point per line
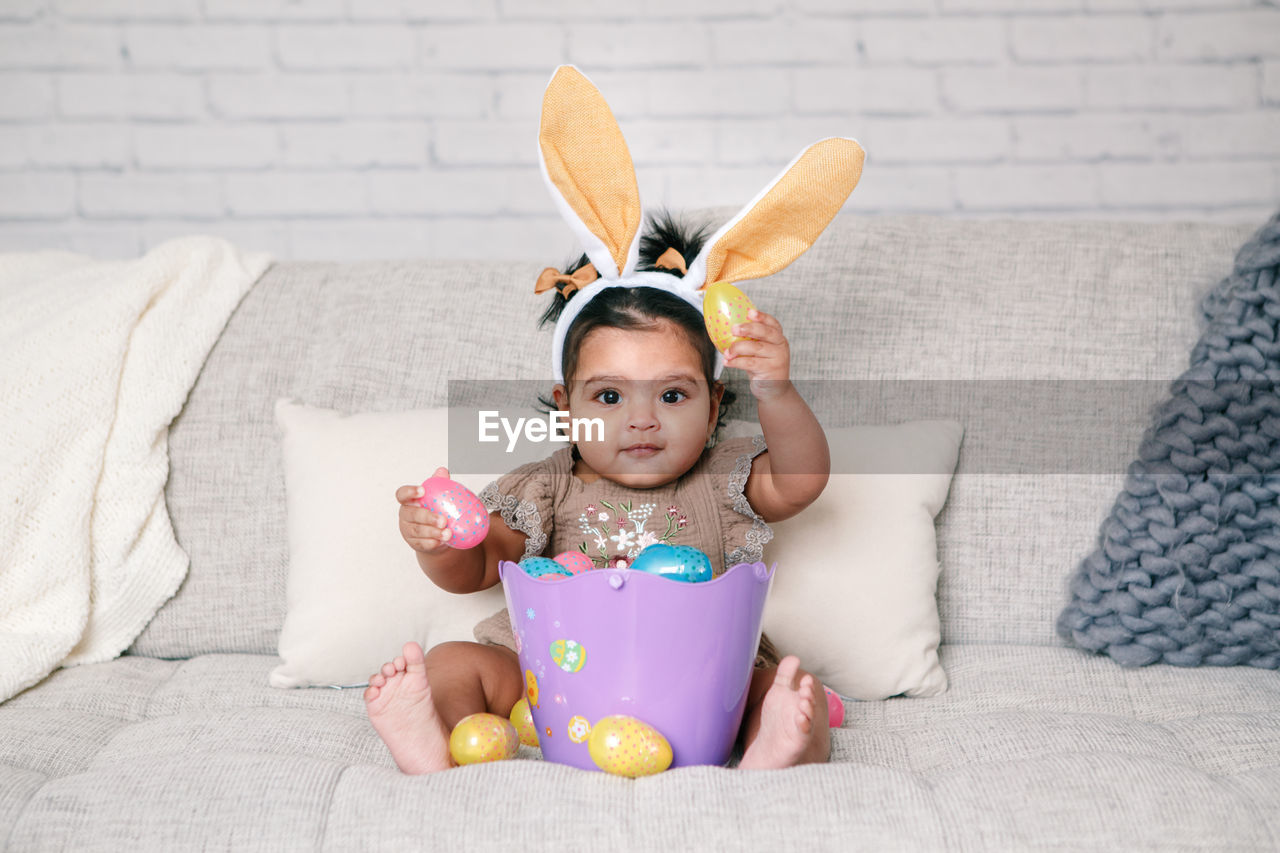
351 129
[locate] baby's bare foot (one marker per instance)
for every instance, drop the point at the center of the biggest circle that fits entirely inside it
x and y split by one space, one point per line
791 732
403 714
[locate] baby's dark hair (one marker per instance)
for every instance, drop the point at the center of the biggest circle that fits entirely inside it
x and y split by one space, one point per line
643 307
660 231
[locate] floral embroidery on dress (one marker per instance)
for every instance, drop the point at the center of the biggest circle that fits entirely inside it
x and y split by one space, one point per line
618 532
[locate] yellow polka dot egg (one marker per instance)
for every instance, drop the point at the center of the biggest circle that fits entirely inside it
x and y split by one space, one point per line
522 719
483 737
723 307
625 746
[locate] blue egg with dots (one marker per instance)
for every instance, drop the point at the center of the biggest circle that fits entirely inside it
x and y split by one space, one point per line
543 568
674 562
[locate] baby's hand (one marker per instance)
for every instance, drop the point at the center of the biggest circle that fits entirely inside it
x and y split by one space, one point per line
424 530
766 357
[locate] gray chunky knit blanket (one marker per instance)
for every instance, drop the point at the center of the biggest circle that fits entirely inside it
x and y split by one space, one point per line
1187 568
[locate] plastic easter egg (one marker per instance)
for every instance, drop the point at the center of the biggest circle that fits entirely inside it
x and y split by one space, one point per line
676 562
723 307
483 737
468 521
575 561
543 568
835 708
522 719
625 746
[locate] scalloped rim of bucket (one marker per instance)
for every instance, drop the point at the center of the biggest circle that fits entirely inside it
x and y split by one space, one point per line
762 572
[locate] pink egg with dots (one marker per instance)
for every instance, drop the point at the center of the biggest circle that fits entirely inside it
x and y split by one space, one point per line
574 561
468 522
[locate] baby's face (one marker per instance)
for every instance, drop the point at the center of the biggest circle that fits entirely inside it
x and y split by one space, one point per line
648 388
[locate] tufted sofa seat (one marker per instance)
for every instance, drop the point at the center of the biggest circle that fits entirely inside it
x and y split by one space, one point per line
1031 747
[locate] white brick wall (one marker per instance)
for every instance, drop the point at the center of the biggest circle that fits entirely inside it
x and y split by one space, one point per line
406 128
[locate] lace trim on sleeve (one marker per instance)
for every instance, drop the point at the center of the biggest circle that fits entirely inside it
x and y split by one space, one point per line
760 532
521 516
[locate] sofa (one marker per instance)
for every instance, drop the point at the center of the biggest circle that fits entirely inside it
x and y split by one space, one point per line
181 742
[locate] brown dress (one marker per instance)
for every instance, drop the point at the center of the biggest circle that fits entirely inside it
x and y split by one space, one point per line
611 523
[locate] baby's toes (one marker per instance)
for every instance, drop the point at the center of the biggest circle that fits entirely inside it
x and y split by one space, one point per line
400 663
786 672
377 680
371 692
804 720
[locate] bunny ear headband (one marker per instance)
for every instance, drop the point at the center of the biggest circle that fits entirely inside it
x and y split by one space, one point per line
588 169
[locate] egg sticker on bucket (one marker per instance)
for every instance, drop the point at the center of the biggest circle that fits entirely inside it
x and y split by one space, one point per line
568 655
579 729
531 687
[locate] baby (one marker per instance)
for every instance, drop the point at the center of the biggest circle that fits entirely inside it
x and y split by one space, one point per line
640 360
631 349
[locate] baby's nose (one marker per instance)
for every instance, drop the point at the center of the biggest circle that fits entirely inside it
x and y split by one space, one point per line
642 416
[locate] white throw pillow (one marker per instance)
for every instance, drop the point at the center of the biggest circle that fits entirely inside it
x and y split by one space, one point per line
356 594
854 595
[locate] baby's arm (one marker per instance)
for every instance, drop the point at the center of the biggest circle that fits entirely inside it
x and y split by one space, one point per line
453 569
794 470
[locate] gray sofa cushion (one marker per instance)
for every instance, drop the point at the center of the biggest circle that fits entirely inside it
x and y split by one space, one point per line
887 298
1187 569
1031 746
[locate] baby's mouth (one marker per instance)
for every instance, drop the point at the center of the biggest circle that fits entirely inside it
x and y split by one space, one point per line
641 451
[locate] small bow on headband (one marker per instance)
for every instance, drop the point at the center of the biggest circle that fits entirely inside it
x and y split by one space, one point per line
671 260
566 284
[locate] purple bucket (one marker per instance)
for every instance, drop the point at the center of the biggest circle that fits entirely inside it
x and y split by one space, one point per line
678 656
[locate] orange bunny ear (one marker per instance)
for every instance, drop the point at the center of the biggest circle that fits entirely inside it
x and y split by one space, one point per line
781 223
588 167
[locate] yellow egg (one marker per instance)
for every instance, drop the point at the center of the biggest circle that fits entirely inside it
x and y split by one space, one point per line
626 746
483 737
723 307
522 719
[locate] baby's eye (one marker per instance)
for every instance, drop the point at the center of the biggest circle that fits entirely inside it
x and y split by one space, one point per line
609 397
671 395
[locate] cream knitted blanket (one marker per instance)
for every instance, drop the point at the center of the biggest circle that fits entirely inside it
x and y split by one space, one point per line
96 360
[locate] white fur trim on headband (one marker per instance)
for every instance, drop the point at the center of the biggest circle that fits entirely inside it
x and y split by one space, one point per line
659 280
